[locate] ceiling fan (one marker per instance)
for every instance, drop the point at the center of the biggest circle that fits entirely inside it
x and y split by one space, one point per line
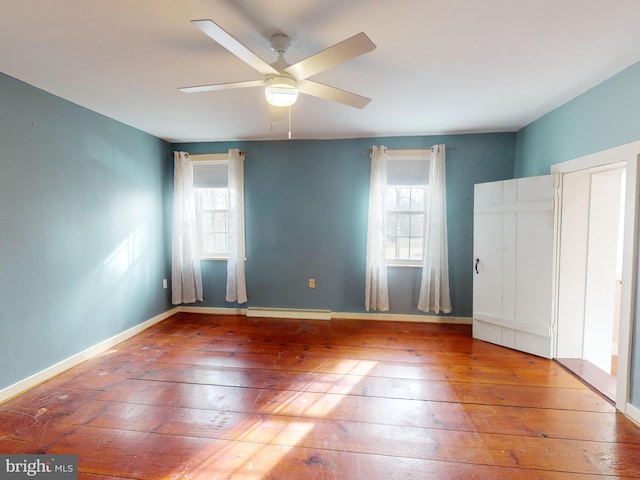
282 81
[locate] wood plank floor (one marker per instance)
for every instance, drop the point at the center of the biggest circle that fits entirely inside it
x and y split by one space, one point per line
229 397
592 375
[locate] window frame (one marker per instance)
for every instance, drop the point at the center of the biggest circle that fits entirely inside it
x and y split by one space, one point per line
395 155
219 158
200 214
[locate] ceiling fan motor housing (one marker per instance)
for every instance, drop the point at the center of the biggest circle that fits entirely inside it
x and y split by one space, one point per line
280 43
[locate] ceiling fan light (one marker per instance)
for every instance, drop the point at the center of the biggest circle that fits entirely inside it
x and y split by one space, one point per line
281 91
281 95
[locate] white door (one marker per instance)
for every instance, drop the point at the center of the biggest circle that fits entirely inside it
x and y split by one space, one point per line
513 287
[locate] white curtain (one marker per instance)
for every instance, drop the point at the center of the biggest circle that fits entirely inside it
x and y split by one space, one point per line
186 277
376 289
434 288
236 284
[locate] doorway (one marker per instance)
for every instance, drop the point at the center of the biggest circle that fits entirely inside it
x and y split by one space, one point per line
590 276
596 271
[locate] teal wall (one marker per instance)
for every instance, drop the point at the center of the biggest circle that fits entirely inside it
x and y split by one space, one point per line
83 235
605 116
306 217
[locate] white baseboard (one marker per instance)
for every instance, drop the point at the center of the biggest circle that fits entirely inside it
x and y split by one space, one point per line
301 313
72 361
213 310
312 314
399 317
633 413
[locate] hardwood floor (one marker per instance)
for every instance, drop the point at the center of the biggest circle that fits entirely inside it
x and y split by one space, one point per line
228 397
592 375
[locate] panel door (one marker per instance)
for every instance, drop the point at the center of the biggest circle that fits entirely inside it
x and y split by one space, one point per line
514 235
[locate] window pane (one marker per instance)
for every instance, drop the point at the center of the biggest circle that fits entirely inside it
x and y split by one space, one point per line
213 220
404 198
417 225
417 198
207 197
207 243
221 196
207 222
392 224
220 222
403 248
391 247
416 248
220 240
404 224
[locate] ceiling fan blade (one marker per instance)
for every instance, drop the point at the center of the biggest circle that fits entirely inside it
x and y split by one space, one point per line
339 53
234 46
334 94
222 86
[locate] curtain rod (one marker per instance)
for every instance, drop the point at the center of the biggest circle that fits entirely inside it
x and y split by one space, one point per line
367 151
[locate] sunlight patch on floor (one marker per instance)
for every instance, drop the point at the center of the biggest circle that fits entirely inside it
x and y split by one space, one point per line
258 446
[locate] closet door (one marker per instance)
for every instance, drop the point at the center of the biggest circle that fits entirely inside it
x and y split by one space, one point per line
514 238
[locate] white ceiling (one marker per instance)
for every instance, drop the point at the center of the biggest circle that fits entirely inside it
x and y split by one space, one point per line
440 66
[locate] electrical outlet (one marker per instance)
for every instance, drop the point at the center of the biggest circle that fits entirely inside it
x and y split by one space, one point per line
164 283
312 283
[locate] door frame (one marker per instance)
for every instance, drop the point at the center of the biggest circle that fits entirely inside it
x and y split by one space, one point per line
628 153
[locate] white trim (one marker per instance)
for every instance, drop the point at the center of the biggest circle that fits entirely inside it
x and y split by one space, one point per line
213 310
629 153
633 413
305 314
392 317
605 157
400 317
417 153
56 369
392 263
629 288
209 157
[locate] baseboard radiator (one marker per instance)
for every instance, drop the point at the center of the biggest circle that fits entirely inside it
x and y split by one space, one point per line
302 313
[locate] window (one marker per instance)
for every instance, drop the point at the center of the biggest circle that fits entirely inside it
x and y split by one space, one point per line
407 183
213 222
211 183
405 222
